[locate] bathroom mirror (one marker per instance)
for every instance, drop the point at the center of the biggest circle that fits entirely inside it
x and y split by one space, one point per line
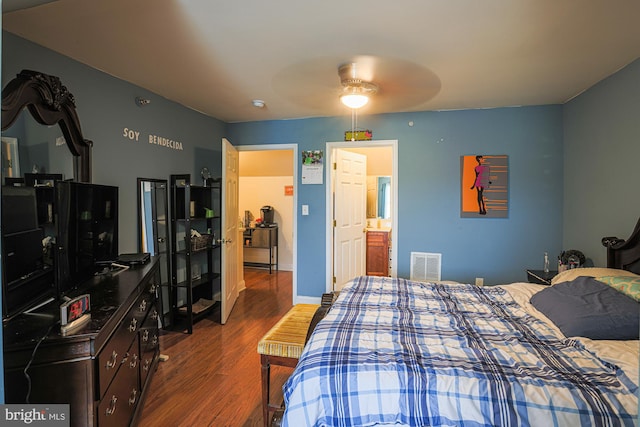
379 197
49 103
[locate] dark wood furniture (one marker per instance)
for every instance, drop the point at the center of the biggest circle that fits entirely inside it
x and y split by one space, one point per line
624 254
50 103
540 276
377 253
103 370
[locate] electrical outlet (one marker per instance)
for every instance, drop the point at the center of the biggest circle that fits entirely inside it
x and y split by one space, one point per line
479 281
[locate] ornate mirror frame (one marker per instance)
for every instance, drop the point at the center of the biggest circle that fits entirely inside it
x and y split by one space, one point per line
50 103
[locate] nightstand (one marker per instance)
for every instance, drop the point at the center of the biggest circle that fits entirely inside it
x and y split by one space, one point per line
540 277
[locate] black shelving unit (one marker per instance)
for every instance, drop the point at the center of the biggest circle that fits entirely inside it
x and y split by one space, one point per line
195 259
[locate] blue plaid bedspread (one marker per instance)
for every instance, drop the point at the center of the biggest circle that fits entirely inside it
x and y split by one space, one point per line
392 351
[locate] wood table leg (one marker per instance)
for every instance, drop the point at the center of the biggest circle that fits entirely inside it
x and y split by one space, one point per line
266 377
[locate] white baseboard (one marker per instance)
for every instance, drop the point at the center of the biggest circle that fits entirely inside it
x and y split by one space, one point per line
306 300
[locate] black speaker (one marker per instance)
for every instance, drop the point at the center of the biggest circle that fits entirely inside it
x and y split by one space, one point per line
19 209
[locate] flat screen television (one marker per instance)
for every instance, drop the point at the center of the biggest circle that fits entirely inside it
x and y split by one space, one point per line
87 221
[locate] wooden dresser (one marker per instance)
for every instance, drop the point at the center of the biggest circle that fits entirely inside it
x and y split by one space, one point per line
378 252
103 370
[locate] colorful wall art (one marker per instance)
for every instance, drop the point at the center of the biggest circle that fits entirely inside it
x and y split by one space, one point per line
484 189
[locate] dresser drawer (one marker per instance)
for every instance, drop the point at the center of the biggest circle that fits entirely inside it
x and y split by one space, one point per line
114 352
120 400
149 344
149 332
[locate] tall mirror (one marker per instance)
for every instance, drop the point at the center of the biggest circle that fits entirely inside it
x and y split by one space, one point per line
30 148
153 235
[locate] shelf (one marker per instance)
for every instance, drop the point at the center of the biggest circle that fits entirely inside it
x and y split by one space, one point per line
191 209
199 306
205 279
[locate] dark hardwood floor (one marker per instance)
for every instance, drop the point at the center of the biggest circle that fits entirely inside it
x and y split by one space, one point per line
212 377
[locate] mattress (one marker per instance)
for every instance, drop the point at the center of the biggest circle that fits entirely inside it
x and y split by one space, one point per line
396 352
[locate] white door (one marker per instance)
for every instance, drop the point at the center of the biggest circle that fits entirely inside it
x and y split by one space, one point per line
229 238
350 201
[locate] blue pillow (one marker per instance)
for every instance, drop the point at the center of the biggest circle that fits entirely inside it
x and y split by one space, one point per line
585 307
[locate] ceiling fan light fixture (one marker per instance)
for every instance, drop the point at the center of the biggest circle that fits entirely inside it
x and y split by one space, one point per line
354 100
355 91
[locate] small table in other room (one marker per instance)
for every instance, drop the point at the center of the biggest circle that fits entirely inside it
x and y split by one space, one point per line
540 276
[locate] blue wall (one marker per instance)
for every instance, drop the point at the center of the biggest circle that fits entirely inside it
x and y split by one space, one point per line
601 163
429 180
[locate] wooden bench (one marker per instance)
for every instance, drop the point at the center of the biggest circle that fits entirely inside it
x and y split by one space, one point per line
283 344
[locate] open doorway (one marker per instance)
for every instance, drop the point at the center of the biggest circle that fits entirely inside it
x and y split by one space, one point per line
268 178
386 215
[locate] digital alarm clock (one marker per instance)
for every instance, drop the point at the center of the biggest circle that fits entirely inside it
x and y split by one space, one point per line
74 313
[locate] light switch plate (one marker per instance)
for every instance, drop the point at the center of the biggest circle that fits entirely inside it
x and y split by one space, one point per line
305 209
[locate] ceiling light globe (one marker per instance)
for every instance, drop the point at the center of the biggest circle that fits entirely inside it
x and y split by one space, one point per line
354 100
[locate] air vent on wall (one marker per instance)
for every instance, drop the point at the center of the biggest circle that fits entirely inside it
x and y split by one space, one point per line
425 267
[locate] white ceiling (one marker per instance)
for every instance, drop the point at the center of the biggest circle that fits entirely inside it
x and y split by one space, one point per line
215 56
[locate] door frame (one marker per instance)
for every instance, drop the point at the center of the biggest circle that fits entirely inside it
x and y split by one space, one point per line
330 147
294 148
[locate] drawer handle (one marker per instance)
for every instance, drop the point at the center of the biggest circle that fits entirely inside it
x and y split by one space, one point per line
145 335
147 363
112 362
143 306
154 341
112 406
134 395
134 361
133 325
153 288
154 315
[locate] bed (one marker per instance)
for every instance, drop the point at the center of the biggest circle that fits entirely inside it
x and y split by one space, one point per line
397 352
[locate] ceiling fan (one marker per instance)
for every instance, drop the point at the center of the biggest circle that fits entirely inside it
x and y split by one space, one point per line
398 84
